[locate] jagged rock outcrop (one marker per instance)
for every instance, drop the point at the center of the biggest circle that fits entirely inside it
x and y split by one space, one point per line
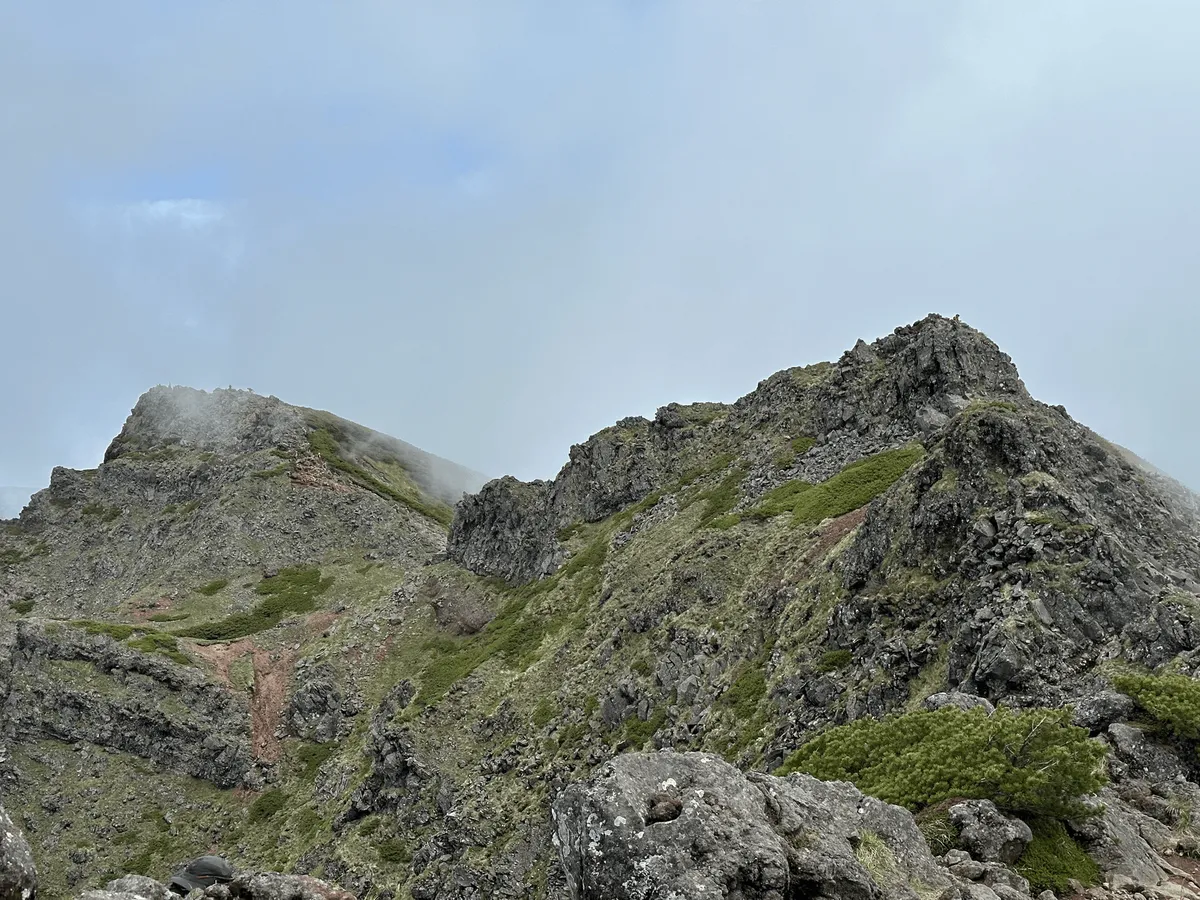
988 835
877 395
691 825
18 875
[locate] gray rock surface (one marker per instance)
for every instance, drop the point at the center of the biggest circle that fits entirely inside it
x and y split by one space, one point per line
18 875
730 835
987 834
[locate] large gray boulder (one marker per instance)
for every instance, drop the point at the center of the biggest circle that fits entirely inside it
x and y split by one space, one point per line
691 825
18 875
989 835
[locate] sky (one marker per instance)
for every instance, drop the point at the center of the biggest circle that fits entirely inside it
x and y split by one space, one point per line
493 227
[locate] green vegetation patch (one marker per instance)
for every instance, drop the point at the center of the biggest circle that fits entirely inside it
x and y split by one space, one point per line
271 473
855 486
14 556
781 500
1033 761
213 587
1171 701
169 617
1053 858
102 512
832 660
21 607
638 731
147 640
293 590
721 499
268 804
310 758
325 444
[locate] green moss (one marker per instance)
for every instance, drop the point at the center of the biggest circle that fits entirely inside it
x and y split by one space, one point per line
268 805
21 607
213 587
802 444
325 444
1053 858
1032 760
832 660
855 486
293 590
115 631
157 642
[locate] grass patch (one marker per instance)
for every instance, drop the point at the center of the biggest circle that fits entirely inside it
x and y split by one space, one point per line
101 512
310 758
832 660
721 499
325 445
855 486
637 731
268 805
148 640
936 827
293 590
271 473
169 617
1053 858
1033 761
781 500
213 587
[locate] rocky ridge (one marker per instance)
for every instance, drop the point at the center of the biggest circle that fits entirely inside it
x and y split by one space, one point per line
903 529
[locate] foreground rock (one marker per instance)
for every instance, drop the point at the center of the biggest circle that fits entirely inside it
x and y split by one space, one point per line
248 886
18 877
691 825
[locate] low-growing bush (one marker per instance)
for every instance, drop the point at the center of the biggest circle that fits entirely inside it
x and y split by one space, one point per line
213 587
293 590
1032 761
832 660
1171 701
311 757
855 486
268 804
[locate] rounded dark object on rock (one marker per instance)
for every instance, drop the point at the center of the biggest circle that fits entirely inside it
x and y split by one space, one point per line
663 808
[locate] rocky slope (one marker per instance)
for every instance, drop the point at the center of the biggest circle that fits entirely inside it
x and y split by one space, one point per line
904 529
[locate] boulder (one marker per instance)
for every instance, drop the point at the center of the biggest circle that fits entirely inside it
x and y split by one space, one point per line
690 825
989 835
18 876
959 700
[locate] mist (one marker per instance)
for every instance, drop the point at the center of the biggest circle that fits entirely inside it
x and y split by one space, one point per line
492 229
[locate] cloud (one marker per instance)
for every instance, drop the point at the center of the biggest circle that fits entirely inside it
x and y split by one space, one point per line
491 229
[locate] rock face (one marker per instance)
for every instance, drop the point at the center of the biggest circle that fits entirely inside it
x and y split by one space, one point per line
988 835
18 876
877 395
729 835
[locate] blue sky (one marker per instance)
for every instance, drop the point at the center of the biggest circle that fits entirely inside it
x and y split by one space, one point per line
492 228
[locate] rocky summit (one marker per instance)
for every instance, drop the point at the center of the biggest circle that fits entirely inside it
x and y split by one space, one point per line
886 627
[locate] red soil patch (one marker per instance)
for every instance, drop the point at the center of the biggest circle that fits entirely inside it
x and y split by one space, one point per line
272 672
834 532
143 611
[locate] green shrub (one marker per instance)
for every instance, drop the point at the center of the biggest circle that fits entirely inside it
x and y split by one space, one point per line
158 642
832 660
213 587
21 607
113 630
1032 761
394 851
781 500
855 486
1053 858
266 806
802 444
749 686
1171 701
293 590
